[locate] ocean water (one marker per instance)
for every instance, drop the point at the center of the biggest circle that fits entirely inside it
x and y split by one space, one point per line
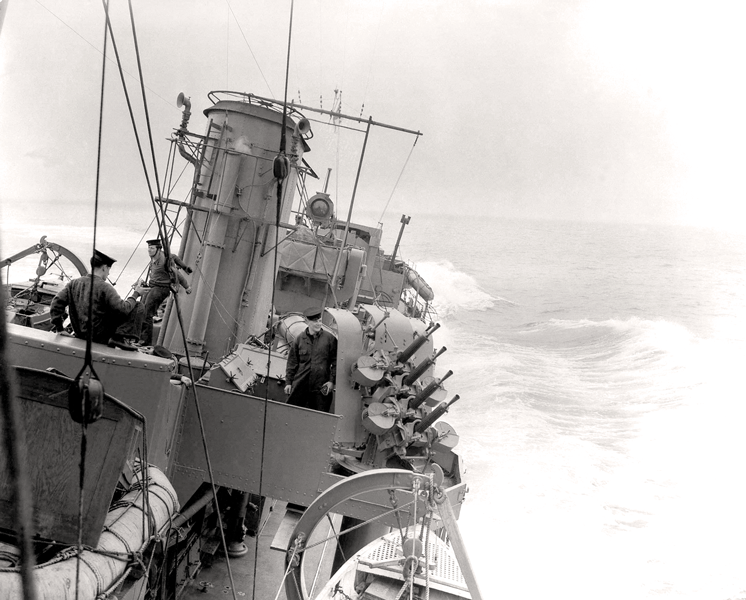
603 408
602 411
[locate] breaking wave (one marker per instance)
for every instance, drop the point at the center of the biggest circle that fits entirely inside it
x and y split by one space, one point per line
568 367
455 290
633 339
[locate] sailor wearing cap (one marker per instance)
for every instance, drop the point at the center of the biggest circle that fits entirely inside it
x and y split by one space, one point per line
110 314
159 281
312 365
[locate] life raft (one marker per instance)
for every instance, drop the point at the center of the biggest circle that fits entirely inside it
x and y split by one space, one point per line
418 284
103 568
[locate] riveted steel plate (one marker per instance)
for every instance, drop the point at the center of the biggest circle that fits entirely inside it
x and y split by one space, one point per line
282 458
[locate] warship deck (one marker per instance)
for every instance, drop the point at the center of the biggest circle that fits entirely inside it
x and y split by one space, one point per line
265 560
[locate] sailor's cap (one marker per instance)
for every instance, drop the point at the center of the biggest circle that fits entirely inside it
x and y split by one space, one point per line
101 258
162 352
155 242
312 313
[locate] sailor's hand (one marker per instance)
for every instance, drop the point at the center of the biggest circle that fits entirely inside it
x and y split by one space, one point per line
327 388
288 389
188 290
139 289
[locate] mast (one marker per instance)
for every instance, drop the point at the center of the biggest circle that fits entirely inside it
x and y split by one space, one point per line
233 224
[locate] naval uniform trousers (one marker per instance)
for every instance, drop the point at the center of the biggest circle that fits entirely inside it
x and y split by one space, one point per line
153 299
312 361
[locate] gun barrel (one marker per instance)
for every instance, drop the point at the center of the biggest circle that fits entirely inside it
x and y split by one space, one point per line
416 344
421 368
433 416
452 401
427 391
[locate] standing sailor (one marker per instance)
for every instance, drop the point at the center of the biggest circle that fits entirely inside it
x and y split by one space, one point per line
110 314
159 282
312 365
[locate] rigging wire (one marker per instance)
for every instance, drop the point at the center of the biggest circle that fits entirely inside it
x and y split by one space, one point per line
56 16
88 372
281 170
161 226
222 311
134 124
132 255
230 8
394 510
161 219
406 162
205 446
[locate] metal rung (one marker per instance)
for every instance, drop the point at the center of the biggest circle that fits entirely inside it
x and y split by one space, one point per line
285 530
210 546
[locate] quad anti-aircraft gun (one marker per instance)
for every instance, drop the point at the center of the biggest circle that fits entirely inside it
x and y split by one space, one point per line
401 401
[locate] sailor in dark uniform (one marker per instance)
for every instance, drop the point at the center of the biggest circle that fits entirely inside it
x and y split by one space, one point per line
159 282
110 314
312 365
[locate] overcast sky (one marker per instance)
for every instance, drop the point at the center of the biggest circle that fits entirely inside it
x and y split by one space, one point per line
575 109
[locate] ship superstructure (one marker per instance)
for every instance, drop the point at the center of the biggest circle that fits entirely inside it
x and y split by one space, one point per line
196 427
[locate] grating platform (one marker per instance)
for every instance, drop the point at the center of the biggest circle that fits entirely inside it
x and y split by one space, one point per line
445 573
